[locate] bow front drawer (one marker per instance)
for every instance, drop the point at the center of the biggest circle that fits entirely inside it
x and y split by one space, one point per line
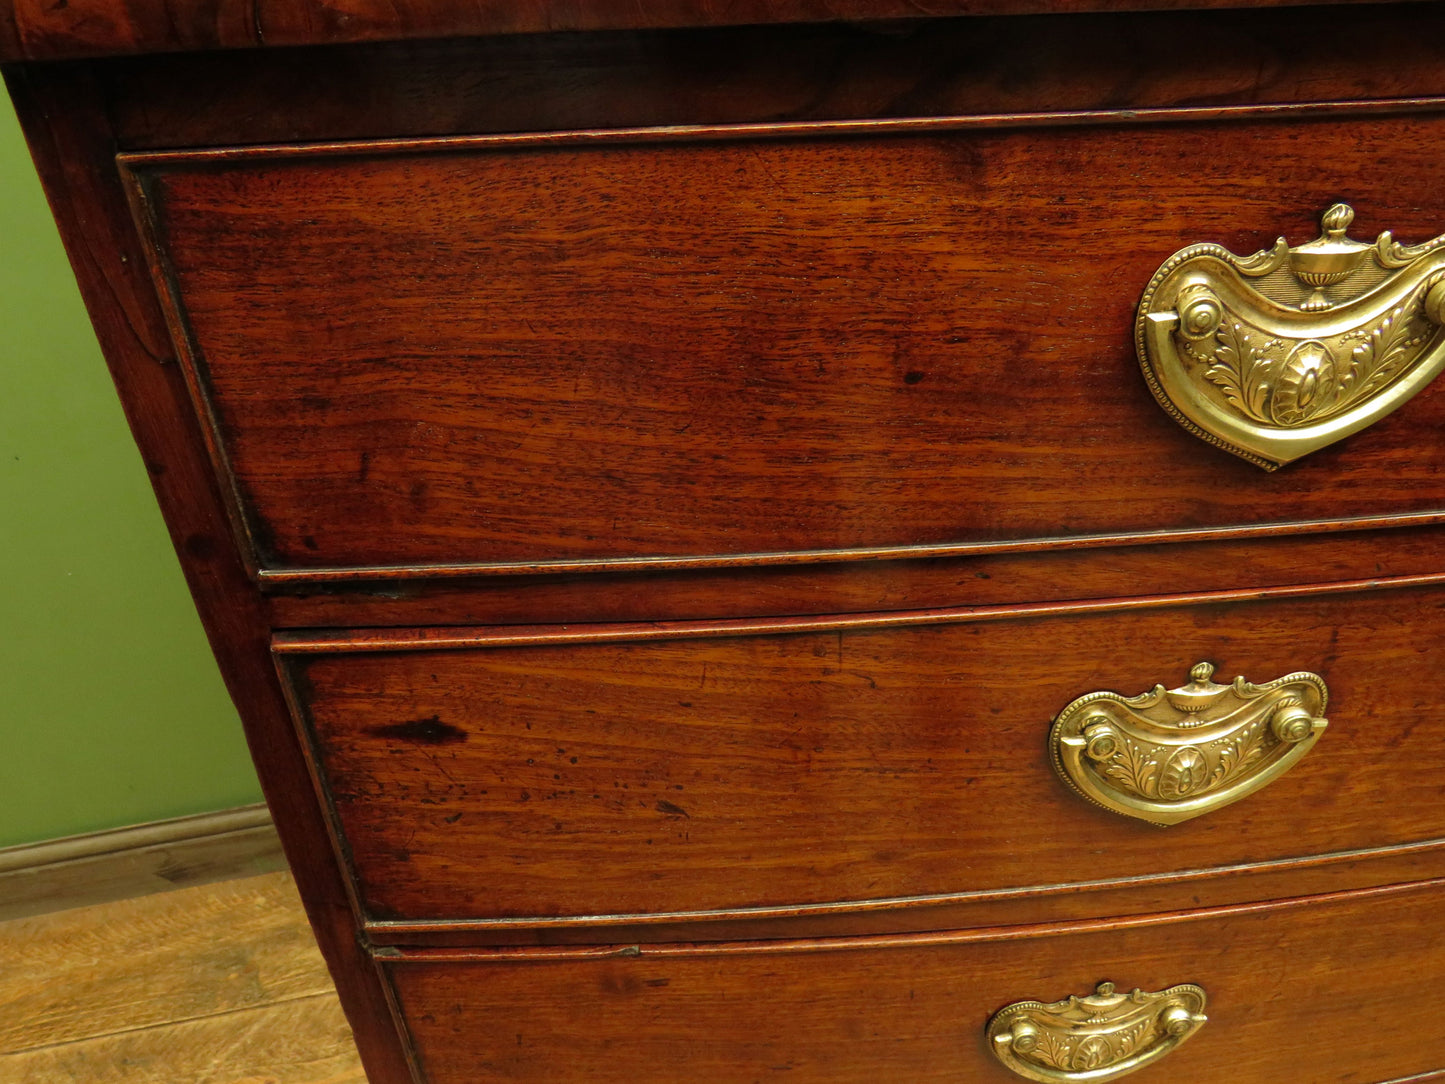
1331 989
513 351
558 776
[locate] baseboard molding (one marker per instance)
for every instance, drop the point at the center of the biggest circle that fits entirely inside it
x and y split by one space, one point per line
122 862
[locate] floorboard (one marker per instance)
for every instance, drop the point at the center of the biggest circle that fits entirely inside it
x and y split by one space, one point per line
217 984
305 1041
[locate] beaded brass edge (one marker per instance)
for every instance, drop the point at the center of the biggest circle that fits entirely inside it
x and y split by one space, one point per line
1276 355
1099 1037
1169 755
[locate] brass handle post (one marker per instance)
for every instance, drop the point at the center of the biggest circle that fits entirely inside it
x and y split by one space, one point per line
1171 754
1279 354
1102 1036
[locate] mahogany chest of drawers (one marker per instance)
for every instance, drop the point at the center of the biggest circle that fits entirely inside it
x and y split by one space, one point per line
747 539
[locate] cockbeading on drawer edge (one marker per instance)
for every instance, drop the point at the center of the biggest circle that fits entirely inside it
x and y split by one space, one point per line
958 114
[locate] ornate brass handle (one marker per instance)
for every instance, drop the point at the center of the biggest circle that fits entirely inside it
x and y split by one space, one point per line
1094 1038
1276 355
1171 754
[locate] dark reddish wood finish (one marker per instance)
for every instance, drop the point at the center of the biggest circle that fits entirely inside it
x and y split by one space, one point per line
442 638
40 30
1330 989
1217 887
1258 562
1161 128
445 355
767 771
935 67
64 121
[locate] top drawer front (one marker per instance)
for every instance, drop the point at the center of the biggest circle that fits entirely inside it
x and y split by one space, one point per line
504 351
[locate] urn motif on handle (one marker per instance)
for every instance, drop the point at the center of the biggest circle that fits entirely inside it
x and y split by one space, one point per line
1279 354
1096 1037
1169 755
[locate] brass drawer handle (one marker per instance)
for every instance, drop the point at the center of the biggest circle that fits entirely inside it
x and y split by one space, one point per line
1099 1037
1171 754
1276 355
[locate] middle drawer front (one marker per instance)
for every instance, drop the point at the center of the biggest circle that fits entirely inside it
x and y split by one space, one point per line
727 769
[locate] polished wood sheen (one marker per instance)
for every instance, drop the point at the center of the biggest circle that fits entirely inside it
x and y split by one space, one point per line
1217 886
1327 990
760 74
65 124
1272 559
447 354
39 30
650 484
762 771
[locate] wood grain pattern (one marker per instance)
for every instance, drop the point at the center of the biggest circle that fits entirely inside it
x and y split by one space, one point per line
303 1041
64 118
1281 1005
220 984
35 30
450 639
133 964
749 771
757 74
1129 897
449 358
979 580
762 347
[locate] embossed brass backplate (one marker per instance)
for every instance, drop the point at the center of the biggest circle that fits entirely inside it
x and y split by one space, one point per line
1168 755
1099 1037
1279 354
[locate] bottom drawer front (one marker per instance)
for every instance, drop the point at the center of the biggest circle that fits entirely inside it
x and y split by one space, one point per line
1339 988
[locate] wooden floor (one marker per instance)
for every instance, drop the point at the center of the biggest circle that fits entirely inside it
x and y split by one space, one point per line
220 984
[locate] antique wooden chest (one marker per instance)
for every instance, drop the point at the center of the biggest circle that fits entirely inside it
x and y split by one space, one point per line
837 540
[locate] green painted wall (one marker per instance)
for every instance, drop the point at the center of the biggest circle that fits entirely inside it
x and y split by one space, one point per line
111 708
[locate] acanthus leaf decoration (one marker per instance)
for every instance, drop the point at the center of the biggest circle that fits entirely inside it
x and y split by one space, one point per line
1167 756
1097 1037
1281 353
1386 347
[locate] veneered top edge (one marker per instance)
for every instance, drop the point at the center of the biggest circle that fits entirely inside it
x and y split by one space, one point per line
50 30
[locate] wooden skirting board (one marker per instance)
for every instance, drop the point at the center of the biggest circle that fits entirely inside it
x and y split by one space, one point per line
122 862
